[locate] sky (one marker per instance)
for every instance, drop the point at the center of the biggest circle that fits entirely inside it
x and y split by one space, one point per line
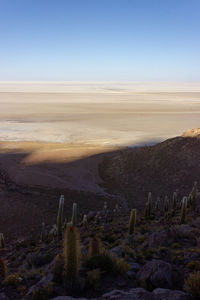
100 40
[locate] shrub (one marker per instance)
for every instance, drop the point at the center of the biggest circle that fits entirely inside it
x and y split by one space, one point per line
39 259
95 246
121 266
93 278
193 265
192 284
13 280
44 293
102 262
175 245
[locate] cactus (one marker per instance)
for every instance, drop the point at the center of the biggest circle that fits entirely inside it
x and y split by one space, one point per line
2 241
71 253
3 268
43 233
74 214
150 197
193 196
132 222
147 210
95 246
175 200
183 210
85 222
166 204
60 217
148 207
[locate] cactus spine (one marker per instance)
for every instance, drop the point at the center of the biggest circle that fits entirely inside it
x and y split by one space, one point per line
183 210
74 214
95 246
71 253
60 217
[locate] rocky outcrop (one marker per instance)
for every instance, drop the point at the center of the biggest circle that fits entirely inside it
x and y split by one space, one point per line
157 274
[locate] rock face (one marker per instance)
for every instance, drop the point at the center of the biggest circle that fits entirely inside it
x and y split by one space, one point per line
137 294
157 273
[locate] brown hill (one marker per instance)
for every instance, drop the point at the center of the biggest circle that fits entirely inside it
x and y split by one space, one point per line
32 179
161 169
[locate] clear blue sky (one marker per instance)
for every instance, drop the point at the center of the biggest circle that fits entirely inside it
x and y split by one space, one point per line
100 40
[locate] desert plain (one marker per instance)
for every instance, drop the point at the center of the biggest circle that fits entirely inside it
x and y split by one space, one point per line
73 124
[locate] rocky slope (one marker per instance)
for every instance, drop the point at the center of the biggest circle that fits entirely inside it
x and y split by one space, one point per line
160 169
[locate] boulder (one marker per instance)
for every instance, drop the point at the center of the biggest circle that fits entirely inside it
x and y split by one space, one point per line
116 251
156 273
164 294
162 238
133 294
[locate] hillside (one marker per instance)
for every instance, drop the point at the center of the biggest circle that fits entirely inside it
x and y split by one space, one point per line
161 169
99 250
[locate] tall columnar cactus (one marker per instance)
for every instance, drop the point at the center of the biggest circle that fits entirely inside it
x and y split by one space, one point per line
166 204
95 246
43 233
3 268
157 204
183 210
71 254
60 217
132 222
74 214
193 196
150 197
175 200
85 222
2 241
105 207
147 211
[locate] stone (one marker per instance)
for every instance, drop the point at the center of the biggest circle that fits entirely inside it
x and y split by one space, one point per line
156 273
133 294
162 238
117 251
164 294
